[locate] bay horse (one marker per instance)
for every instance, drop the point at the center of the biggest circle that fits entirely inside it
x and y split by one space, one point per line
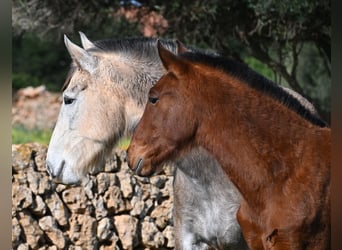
276 153
104 96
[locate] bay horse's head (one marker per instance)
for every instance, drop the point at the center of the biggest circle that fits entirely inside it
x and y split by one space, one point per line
169 119
103 99
170 122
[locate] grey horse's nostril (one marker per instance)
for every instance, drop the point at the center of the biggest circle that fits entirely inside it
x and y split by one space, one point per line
49 169
55 174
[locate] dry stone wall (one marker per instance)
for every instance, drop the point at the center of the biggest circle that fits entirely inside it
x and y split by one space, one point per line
115 210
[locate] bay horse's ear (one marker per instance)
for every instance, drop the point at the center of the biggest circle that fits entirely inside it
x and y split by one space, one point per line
171 62
86 43
81 57
181 47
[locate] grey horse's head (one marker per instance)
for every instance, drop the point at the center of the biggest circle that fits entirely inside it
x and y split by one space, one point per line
103 98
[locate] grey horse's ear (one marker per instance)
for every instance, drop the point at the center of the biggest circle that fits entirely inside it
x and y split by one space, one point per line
80 56
86 43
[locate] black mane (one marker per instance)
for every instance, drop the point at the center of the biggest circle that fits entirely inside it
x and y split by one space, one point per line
256 81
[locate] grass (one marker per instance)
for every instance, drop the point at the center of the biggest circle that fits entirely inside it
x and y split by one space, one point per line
124 143
22 135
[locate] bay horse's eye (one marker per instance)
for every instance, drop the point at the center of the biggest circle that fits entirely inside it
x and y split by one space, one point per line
153 100
68 100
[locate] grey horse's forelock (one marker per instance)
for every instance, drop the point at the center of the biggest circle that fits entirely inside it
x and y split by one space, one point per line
143 58
141 53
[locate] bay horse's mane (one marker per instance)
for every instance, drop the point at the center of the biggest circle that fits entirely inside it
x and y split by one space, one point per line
254 80
140 48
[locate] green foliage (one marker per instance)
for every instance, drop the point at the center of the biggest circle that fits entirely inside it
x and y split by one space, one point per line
22 135
262 33
22 80
317 79
38 62
259 67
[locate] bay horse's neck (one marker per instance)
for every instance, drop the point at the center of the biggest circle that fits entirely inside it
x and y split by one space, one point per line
257 140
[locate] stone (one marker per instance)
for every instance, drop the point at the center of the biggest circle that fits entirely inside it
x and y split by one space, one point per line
75 199
89 188
33 181
49 226
105 229
105 180
113 200
76 248
83 231
52 248
126 227
112 210
167 190
169 236
151 237
100 209
138 207
32 232
125 185
23 247
145 190
21 156
40 157
112 244
16 232
57 209
158 180
163 214
38 207
21 196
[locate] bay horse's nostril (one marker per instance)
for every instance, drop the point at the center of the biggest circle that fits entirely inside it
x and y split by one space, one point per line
139 165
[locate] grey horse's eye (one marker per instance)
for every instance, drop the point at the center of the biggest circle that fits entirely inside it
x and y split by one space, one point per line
153 100
68 100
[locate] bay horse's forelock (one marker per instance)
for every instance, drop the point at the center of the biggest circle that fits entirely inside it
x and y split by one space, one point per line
279 161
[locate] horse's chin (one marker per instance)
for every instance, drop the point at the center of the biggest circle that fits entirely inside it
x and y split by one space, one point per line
68 176
70 180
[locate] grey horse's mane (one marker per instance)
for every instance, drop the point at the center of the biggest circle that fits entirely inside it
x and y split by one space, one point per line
134 47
